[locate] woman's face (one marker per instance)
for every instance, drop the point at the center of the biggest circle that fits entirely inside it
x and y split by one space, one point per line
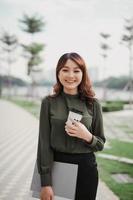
70 76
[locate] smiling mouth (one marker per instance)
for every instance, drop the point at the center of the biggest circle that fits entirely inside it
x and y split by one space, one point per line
69 81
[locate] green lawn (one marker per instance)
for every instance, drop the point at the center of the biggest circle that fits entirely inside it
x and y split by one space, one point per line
126 128
30 106
108 167
120 148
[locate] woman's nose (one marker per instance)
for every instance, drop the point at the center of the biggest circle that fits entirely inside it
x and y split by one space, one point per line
71 74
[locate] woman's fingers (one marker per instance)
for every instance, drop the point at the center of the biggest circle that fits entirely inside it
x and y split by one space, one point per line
71 134
47 193
71 130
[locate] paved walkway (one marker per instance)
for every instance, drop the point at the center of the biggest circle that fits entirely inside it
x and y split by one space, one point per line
18 144
117 158
119 125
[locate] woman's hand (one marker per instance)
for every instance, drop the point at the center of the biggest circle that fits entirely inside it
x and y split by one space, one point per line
77 129
47 193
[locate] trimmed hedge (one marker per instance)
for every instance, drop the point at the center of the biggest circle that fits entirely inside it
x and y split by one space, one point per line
112 106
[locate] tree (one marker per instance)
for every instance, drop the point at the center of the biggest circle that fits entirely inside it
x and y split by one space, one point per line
32 53
8 43
32 25
127 39
104 47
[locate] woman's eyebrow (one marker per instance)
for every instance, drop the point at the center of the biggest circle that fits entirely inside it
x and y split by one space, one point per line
66 66
69 67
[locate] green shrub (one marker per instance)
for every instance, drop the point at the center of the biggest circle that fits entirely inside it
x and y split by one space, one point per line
112 106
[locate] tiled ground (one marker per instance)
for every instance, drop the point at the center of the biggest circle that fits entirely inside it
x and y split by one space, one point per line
119 125
18 142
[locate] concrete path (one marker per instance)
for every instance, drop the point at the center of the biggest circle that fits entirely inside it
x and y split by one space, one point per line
117 158
18 145
119 125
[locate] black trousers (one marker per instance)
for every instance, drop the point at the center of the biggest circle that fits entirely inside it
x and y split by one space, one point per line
87 179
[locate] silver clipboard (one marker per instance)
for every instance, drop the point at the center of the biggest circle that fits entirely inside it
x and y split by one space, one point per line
64 178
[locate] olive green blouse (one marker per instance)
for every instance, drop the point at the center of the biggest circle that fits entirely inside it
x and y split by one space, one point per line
52 135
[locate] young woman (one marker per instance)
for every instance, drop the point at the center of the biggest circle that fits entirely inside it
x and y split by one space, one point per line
70 143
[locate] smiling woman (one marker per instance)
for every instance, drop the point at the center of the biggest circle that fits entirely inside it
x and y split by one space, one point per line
73 142
72 68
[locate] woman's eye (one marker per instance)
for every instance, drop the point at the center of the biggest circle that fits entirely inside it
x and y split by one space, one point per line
76 71
65 70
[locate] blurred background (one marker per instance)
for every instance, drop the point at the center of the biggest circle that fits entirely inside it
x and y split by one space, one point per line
34 34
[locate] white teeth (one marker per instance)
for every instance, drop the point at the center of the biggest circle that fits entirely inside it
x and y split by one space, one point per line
70 81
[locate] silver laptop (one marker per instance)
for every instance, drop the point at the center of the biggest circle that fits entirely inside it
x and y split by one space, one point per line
64 178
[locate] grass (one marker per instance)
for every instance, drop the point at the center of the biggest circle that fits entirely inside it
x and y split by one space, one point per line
30 106
120 148
125 128
108 167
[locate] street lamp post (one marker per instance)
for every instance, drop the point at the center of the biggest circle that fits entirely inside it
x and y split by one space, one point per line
105 47
127 38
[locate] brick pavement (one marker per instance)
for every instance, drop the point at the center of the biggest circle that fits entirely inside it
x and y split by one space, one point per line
18 144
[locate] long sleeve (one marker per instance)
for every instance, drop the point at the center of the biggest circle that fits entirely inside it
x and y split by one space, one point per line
44 152
98 139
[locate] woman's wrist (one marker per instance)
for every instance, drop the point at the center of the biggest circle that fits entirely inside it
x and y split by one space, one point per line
88 137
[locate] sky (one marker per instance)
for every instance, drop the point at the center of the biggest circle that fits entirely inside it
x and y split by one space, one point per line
71 26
